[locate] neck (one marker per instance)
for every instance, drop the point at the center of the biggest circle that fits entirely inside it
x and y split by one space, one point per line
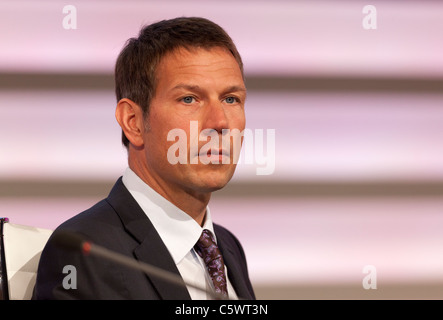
192 202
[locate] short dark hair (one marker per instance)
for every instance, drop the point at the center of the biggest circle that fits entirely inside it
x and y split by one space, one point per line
136 64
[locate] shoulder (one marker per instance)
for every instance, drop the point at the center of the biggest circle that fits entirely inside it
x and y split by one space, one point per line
101 222
100 216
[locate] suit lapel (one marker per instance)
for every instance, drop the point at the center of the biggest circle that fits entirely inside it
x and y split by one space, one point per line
154 252
235 273
151 249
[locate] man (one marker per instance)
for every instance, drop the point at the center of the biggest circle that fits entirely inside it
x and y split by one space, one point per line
177 74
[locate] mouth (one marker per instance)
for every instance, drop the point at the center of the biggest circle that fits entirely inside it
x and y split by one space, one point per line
215 155
215 152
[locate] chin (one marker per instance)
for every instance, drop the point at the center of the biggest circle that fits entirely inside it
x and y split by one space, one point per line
215 180
214 185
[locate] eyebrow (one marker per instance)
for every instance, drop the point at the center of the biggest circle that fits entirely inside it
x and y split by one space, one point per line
189 87
235 89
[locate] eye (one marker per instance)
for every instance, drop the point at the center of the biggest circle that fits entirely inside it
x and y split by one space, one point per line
231 100
188 99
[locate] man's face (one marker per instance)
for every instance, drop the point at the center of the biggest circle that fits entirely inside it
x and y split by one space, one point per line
205 87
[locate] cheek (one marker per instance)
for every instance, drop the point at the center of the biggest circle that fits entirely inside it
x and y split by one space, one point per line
165 133
238 120
156 136
168 118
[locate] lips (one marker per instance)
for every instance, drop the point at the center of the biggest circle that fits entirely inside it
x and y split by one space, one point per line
215 153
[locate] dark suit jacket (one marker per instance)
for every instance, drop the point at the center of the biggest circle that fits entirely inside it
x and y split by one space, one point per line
119 224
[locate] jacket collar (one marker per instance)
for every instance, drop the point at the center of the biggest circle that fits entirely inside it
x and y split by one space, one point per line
151 248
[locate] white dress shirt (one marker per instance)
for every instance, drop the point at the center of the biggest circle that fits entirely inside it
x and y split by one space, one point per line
179 233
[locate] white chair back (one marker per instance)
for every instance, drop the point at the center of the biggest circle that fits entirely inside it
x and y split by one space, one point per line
23 246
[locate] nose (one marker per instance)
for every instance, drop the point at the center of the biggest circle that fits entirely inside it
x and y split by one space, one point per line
214 117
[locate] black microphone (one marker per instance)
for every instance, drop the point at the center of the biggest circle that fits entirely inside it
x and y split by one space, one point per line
75 242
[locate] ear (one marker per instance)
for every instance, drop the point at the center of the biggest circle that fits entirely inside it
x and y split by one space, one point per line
129 116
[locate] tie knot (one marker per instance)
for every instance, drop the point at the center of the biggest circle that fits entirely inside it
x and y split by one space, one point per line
206 240
206 247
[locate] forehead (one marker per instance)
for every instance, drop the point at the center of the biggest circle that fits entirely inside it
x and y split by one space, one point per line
198 62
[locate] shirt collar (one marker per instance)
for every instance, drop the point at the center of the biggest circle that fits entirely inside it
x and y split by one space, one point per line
176 228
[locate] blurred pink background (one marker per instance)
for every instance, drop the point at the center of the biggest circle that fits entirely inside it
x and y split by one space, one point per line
358 116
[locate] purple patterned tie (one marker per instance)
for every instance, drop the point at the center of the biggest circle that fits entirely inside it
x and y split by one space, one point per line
211 255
